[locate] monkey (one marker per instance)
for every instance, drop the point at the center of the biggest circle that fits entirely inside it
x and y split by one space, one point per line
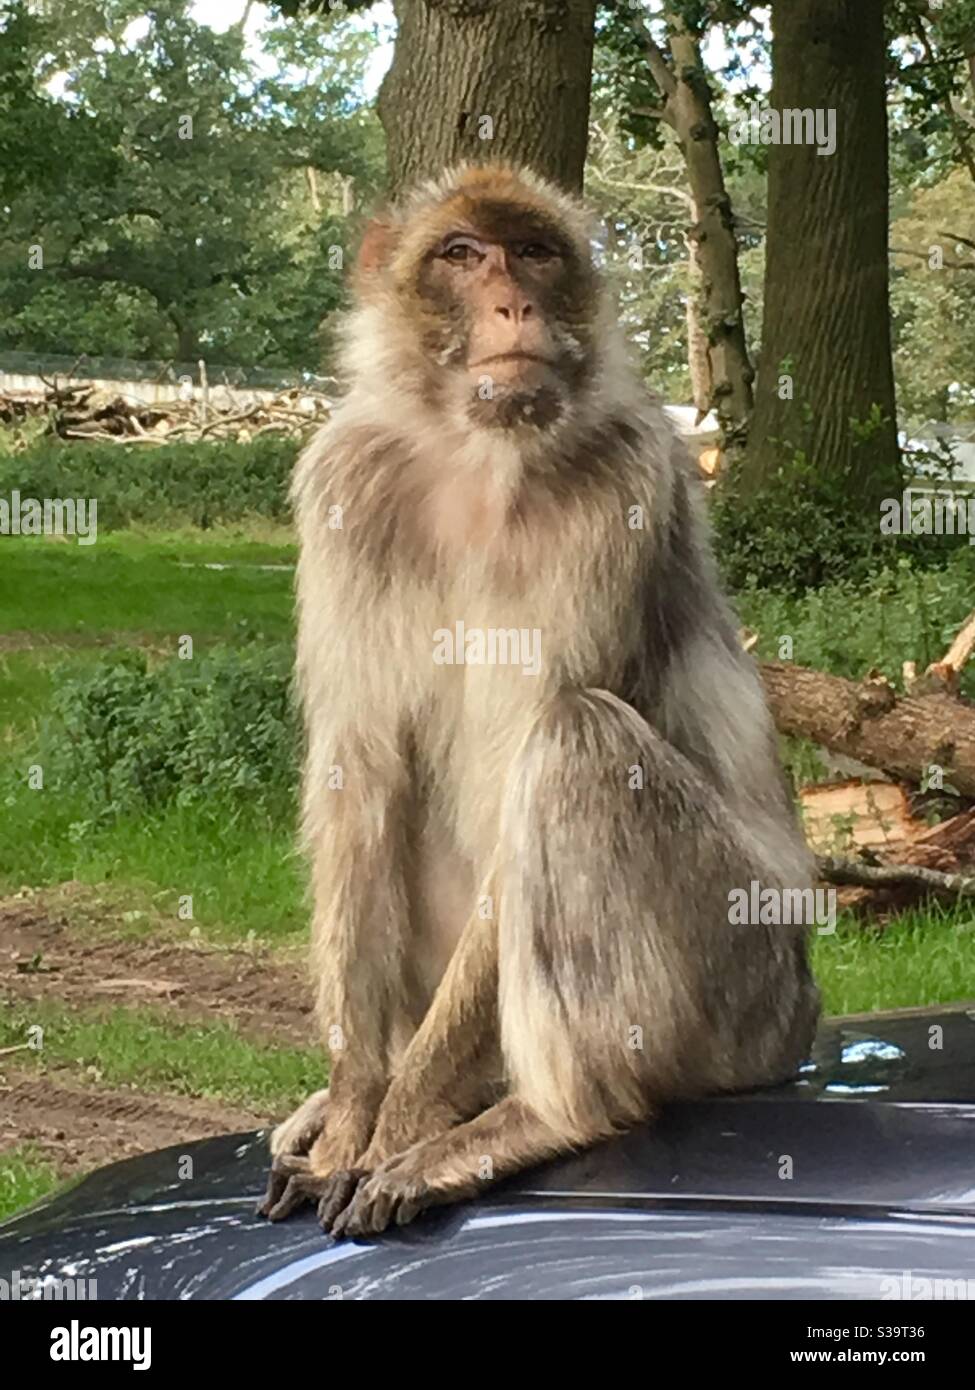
520 869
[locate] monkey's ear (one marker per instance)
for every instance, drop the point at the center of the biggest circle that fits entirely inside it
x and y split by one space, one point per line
376 247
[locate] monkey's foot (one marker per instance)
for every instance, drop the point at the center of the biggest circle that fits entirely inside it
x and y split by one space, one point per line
393 1195
291 1184
298 1132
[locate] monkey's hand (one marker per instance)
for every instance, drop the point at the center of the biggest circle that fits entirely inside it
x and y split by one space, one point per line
292 1184
399 1190
298 1132
307 1172
405 1121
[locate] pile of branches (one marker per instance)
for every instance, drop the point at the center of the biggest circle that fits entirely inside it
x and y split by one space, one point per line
80 411
888 852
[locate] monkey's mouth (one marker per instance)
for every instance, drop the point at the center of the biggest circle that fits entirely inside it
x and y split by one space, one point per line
515 356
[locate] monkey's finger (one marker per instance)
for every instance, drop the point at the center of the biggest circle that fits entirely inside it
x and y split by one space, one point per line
337 1195
342 1223
372 1209
282 1169
276 1183
407 1210
299 1190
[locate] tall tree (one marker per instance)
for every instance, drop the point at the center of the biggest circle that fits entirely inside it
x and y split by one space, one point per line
685 104
825 384
473 79
196 204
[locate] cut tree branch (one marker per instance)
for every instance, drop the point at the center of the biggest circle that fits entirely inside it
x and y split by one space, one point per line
850 873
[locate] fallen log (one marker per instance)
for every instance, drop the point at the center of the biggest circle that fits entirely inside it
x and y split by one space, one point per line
866 720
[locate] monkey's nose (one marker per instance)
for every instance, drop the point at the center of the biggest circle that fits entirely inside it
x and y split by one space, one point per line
516 310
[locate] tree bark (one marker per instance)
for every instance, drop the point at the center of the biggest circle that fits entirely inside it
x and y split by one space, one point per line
683 85
483 79
826 303
698 347
867 721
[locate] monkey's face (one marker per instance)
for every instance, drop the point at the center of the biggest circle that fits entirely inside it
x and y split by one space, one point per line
508 306
499 296
491 296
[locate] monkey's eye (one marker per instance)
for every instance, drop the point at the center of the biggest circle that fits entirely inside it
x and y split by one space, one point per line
537 251
459 251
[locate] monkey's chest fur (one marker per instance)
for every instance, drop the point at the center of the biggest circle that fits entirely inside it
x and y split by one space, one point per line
498 600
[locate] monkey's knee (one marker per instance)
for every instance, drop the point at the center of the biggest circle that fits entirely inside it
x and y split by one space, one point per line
585 755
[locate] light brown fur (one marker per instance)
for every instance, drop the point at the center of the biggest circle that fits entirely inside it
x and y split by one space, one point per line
517 950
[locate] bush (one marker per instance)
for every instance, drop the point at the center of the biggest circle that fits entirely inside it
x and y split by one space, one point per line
902 613
200 484
800 531
136 737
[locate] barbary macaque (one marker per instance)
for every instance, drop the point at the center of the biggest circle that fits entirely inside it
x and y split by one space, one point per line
521 870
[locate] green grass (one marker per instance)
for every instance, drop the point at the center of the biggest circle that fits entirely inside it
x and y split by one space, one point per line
142 1048
241 869
24 1178
239 866
137 583
847 629
924 956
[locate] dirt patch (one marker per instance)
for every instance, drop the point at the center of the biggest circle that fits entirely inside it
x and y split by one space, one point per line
46 954
76 1129
28 641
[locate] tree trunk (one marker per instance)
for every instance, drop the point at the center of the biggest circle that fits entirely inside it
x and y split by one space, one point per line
698 347
827 316
483 79
865 720
683 85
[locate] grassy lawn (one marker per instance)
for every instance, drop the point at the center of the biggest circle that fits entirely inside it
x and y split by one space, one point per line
25 1176
122 1046
68 605
156 586
925 956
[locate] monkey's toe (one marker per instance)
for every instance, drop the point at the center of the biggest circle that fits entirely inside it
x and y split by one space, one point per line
381 1201
289 1186
338 1192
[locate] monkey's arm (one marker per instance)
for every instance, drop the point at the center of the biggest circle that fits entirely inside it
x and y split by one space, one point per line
355 827
452 1067
449 1073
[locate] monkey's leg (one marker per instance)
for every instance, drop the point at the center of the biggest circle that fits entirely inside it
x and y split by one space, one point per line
621 982
359 957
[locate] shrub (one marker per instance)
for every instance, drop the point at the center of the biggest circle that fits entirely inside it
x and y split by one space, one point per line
136 737
200 484
801 531
902 613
